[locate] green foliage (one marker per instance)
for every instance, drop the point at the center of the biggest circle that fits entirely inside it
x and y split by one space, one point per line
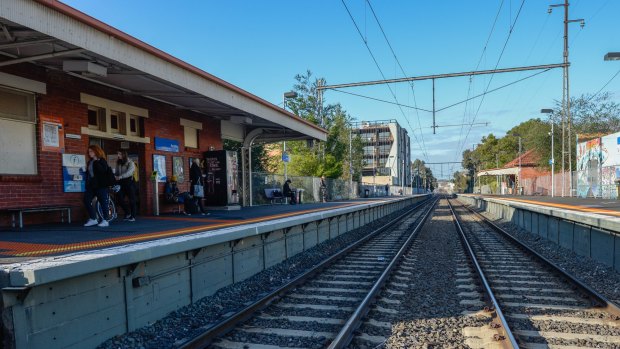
590 114
461 181
331 158
259 156
422 175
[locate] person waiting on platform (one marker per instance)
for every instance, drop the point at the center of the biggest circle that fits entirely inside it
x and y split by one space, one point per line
97 183
196 188
125 169
173 195
289 192
323 188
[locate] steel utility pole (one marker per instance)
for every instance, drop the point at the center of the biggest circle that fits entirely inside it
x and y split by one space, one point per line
566 117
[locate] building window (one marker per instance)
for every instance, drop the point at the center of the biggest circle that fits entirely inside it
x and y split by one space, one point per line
96 117
17 133
111 119
134 125
190 130
191 137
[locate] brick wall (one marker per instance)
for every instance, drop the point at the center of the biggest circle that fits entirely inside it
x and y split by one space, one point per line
63 100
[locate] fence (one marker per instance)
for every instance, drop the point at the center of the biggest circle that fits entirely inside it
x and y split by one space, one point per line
597 182
337 189
377 190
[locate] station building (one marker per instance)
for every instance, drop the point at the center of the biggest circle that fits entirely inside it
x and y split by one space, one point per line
68 80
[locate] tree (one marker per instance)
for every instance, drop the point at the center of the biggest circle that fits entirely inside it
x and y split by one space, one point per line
422 175
333 157
259 155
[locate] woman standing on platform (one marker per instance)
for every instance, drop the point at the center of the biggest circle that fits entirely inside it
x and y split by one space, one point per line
97 183
125 169
195 178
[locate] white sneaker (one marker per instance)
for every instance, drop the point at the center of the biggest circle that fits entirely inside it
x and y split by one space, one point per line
103 224
90 223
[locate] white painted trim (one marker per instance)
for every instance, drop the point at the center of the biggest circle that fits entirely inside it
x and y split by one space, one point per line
113 105
193 124
114 136
55 24
22 83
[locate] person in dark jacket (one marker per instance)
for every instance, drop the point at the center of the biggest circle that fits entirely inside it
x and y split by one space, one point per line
96 186
287 191
125 169
195 177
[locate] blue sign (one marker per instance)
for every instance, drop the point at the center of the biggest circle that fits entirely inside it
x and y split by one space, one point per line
165 144
286 157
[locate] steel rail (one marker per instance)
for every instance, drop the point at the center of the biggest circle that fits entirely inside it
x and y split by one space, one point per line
608 305
344 336
223 327
481 275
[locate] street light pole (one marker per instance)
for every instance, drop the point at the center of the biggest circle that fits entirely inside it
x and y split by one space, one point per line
519 173
290 94
550 111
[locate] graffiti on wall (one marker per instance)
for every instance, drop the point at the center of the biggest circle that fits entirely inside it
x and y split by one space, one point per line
589 160
610 165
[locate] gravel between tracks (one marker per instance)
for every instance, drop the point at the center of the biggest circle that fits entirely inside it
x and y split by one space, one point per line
430 312
597 275
190 320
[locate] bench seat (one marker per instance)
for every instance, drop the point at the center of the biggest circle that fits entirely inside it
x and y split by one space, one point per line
19 211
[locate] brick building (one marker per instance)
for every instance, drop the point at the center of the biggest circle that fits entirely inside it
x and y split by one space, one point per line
68 80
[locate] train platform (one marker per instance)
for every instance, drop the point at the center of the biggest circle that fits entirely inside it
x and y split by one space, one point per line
17 245
605 207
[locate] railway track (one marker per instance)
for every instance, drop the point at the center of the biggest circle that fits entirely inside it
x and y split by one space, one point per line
323 306
543 306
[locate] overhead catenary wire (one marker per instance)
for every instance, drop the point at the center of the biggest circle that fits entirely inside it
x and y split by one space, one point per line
415 103
496 65
424 153
448 106
477 66
607 83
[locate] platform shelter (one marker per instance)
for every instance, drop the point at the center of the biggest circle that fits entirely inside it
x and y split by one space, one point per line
68 80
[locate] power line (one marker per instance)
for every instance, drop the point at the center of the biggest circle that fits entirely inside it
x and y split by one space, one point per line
496 65
382 75
493 90
382 100
478 65
607 83
449 106
415 103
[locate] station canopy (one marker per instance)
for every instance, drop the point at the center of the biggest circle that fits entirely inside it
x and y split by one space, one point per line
53 35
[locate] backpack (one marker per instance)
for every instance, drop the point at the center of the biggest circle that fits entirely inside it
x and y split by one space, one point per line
110 179
135 172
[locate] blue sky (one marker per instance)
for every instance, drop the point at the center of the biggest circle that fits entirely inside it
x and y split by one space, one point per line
261 45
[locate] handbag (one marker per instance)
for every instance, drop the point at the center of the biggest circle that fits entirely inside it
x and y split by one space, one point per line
199 191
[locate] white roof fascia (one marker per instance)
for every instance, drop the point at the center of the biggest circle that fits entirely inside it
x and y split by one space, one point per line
50 22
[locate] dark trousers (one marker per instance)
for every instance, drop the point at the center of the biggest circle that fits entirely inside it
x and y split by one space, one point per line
128 189
199 200
102 197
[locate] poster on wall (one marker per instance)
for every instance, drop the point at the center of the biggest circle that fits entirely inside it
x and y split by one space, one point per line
178 169
74 173
159 166
165 144
52 134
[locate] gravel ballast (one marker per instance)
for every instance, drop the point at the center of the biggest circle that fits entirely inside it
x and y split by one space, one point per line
599 276
189 321
429 311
